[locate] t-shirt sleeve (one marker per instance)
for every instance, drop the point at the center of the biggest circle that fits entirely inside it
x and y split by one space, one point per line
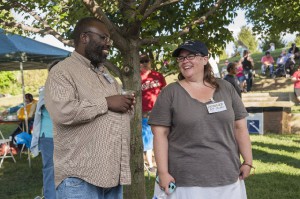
238 107
161 113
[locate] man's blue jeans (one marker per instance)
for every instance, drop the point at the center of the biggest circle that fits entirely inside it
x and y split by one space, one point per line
46 147
76 188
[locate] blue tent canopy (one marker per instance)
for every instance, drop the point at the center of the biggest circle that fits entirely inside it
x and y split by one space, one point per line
33 54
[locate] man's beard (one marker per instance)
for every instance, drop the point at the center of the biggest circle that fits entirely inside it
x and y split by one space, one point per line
94 52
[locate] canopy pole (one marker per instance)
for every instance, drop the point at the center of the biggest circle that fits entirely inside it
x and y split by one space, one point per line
25 110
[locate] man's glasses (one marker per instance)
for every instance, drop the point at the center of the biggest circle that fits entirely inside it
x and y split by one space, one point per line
188 57
106 39
144 61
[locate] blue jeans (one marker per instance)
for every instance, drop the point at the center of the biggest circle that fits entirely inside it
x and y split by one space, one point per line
76 188
46 147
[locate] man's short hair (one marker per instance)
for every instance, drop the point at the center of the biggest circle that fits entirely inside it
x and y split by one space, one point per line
82 26
231 66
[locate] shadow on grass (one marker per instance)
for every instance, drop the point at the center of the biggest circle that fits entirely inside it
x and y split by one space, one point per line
277 147
18 181
265 157
273 185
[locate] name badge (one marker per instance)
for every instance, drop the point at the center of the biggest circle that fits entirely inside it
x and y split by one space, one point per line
216 107
108 78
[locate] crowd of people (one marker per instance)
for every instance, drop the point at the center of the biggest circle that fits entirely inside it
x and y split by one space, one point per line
81 123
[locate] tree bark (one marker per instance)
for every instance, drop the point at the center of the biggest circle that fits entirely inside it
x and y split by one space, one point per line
132 81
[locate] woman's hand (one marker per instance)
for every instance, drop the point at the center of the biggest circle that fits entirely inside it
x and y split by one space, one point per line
164 181
245 170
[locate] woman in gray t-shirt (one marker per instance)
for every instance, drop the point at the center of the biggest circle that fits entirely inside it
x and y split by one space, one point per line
200 131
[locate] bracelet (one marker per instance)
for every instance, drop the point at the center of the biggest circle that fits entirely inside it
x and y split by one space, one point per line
249 165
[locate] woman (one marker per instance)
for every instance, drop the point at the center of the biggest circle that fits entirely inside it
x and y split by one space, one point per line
248 64
241 77
199 132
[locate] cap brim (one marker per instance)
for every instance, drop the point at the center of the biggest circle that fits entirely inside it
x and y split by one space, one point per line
188 48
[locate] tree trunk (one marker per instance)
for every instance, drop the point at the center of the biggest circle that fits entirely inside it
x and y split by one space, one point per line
132 81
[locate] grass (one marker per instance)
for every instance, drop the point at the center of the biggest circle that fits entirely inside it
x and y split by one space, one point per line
276 158
277 162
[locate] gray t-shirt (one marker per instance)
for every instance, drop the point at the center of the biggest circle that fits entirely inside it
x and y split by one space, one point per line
202 148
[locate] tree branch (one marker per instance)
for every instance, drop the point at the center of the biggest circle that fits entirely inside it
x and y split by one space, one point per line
96 10
187 28
47 29
202 19
37 30
143 7
157 4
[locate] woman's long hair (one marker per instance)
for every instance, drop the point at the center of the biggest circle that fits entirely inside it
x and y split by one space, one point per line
207 77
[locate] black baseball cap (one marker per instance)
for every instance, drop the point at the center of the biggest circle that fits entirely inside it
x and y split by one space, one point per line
192 46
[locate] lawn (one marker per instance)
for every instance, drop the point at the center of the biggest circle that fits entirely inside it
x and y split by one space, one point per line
276 158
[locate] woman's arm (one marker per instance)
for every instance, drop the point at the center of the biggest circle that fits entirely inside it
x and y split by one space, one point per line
243 140
160 143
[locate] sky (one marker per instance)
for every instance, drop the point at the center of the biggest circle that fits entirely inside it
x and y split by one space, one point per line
238 22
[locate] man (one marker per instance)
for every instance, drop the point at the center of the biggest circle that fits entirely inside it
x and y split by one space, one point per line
231 77
91 123
267 62
152 83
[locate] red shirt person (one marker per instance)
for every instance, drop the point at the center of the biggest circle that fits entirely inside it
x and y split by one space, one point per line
152 83
267 61
296 81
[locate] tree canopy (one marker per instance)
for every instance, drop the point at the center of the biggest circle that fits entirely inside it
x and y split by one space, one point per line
273 16
152 26
248 39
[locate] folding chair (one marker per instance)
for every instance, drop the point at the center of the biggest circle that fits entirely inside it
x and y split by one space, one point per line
24 138
7 149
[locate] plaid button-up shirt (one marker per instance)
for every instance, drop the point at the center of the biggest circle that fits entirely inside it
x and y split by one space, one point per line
90 142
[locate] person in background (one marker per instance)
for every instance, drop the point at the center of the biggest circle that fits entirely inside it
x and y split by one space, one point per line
241 77
152 83
248 65
28 100
224 71
296 81
272 47
231 77
30 106
294 50
42 139
267 62
281 60
91 119
200 131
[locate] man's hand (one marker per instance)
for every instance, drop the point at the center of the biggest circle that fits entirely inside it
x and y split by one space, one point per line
120 103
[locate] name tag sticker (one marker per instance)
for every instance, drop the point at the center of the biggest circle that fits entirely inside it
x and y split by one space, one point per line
216 107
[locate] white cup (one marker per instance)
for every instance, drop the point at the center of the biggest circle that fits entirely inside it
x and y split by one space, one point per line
127 92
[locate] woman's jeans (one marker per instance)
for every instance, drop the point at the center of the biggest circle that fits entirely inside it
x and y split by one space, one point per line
76 188
248 75
46 147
